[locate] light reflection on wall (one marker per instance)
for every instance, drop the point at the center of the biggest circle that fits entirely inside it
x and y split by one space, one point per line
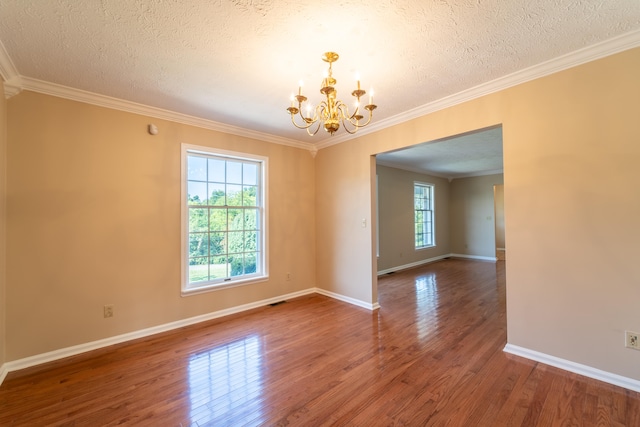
426 304
225 383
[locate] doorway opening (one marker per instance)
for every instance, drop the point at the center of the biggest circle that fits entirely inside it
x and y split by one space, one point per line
464 171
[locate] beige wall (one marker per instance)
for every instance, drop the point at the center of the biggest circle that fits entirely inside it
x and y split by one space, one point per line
345 177
346 199
571 205
472 210
93 215
93 210
396 217
3 221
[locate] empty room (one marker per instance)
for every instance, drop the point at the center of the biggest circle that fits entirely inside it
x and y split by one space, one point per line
293 213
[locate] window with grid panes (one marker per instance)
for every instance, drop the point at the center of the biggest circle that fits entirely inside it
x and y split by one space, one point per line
224 216
423 214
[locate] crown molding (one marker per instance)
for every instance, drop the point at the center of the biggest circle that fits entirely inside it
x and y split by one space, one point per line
14 83
12 87
476 174
9 74
8 71
412 169
438 174
87 97
600 50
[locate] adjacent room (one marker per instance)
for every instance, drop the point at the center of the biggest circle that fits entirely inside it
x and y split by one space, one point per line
292 213
460 215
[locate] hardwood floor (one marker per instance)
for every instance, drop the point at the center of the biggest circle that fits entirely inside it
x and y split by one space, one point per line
432 355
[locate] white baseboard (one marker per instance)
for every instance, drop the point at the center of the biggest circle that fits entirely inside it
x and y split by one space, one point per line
476 257
576 368
3 372
38 359
94 345
434 259
350 300
413 264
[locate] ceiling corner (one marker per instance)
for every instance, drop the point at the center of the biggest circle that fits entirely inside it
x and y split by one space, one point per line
8 70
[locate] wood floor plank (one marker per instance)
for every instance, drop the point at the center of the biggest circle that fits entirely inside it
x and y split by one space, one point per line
432 355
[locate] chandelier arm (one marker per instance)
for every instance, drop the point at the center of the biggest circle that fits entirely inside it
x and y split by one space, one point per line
361 125
315 131
346 128
354 122
317 113
351 118
344 111
307 120
345 119
355 125
300 126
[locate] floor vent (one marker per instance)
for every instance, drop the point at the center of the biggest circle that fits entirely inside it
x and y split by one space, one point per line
277 303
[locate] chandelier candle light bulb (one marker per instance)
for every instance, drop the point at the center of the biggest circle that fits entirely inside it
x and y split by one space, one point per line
330 112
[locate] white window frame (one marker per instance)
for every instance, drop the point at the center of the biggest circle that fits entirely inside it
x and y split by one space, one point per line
432 201
206 286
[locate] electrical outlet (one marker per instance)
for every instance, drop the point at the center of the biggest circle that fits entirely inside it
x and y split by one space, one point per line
631 340
288 276
108 311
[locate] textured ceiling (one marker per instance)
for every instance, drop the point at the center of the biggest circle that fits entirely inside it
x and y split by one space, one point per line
237 62
472 154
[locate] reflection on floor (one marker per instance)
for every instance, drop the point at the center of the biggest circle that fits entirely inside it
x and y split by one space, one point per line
227 379
432 355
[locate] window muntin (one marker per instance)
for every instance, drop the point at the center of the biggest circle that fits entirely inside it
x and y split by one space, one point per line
423 214
224 217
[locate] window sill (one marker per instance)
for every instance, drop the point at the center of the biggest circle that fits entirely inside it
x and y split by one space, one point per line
224 285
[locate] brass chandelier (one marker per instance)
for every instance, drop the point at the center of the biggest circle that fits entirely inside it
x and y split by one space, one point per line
331 111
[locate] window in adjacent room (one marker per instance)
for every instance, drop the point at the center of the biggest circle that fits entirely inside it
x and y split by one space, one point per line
423 213
223 218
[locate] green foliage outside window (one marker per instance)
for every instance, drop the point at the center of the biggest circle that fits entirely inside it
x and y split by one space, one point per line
223 219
